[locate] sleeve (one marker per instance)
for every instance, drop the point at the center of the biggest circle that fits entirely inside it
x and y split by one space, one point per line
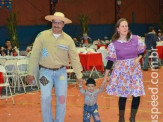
82 91
111 53
141 46
142 54
75 61
109 65
101 88
35 55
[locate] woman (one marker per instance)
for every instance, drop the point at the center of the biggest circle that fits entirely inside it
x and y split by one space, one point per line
125 51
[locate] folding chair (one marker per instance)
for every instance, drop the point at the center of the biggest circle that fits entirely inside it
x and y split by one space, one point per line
22 71
10 67
104 53
70 71
6 83
2 61
22 66
81 50
90 50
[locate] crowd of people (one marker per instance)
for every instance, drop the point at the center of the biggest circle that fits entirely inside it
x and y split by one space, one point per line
9 50
52 49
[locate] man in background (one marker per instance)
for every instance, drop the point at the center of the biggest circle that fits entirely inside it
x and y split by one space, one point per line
150 41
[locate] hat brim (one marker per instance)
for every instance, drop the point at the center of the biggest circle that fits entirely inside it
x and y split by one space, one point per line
52 17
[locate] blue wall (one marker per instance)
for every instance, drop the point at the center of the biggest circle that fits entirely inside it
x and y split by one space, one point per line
27 34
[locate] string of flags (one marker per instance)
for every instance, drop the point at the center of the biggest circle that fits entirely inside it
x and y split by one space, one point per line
6 3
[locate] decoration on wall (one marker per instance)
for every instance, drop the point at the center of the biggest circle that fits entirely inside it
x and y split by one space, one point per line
12 28
84 26
53 4
6 3
83 19
117 9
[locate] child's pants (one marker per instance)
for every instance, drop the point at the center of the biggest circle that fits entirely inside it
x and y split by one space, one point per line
91 110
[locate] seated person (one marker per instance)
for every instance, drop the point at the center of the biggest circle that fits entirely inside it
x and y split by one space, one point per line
160 36
77 43
2 51
8 49
86 39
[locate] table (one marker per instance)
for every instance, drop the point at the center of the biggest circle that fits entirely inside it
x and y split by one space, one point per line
160 51
1 80
98 46
91 60
3 59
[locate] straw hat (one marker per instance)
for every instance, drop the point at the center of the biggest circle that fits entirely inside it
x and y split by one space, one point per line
59 16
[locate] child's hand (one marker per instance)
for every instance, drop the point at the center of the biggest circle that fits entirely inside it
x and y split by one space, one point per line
106 80
80 83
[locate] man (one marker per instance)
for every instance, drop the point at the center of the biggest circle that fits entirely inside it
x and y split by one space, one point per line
150 41
51 51
8 47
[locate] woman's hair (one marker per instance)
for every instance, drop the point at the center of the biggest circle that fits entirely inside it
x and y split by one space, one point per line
116 35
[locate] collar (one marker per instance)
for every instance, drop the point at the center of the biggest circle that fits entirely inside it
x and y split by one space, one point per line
150 33
62 34
125 40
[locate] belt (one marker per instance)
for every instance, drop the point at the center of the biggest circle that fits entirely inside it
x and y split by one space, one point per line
54 69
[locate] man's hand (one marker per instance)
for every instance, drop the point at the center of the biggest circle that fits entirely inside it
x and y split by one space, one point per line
30 78
80 81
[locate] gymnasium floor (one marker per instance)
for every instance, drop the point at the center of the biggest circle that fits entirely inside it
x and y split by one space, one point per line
27 106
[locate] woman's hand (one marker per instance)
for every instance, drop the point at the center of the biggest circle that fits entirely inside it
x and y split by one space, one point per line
136 61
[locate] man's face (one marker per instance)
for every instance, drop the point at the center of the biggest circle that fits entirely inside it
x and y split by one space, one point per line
57 26
8 43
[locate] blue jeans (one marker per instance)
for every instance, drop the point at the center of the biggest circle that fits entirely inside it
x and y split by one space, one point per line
47 79
91 110
154 58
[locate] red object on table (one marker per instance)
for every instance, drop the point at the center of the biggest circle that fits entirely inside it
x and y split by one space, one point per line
98 46
160 51
86 41
15 54
1 80
88 61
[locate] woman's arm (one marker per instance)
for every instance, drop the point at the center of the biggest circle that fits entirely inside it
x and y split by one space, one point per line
137 60
108 68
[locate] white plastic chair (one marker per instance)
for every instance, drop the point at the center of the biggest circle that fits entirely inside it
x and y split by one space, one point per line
69 70
93 47
2 61
90 50
10 67
22 71
104 53
81 50
95 42
6 83
22 66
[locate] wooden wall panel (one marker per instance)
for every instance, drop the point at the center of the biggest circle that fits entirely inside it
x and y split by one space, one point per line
32 12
